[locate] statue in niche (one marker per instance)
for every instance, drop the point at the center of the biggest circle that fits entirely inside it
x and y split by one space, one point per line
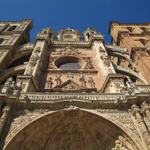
58 80
49 83
91 82
83 81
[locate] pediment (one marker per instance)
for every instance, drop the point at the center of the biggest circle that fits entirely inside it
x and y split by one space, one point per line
69 85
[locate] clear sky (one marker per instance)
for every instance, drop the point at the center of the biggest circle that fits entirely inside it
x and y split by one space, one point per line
78 14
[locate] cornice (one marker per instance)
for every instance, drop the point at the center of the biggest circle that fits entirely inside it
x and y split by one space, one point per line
82 100
71 43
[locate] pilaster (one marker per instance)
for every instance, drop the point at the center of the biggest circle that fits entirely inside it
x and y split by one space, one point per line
33 70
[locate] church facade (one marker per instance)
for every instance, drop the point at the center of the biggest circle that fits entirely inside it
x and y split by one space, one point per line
73 91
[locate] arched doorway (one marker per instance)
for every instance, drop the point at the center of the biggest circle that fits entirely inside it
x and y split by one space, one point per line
67 130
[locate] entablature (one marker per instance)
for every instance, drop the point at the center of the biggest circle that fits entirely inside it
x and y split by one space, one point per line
54 100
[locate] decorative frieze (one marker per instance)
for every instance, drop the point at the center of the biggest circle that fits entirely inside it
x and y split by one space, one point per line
4 118
140 123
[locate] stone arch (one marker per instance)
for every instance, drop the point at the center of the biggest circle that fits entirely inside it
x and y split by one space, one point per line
11 72
21 54
69 129
129 72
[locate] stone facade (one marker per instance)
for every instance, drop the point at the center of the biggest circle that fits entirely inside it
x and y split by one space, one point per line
73 91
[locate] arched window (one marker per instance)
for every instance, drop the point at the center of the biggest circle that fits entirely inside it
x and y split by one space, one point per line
70 66
68 63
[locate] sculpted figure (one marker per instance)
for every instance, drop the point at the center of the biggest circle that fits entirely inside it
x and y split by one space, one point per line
130 86
34 57
49 83
91 82
89 64
106 60
120 144
125 144
83 81
5 111
58 80
30 69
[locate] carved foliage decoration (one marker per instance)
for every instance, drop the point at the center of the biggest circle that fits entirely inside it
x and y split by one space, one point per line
69 35
123 144
67 51
33 60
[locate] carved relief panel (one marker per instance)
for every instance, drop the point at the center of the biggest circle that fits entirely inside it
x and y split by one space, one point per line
71 69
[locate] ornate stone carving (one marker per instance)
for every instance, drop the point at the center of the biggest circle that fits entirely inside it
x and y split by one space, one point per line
91 82
10 87
123 118
69 85
33 61
139 122
105 59
129 87
3 117
34 57
68 50
145 110
58 80
89 64
83 81
51 63
44 35
123 144
69 35
90 34
7 84
49 82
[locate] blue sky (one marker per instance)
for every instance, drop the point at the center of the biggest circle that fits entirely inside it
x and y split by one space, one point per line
78 14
